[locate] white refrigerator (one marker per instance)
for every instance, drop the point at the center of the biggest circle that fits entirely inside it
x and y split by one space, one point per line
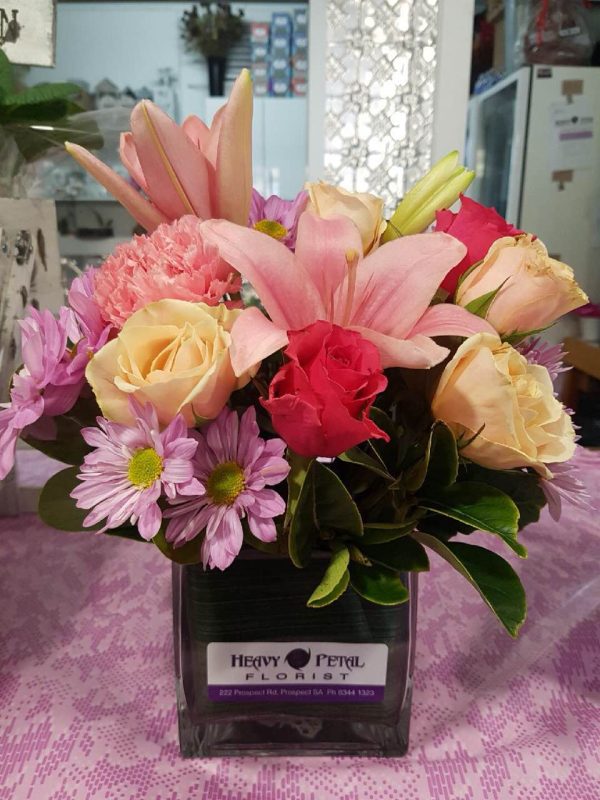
534 141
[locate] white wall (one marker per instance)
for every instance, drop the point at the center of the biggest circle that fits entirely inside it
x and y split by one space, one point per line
128 43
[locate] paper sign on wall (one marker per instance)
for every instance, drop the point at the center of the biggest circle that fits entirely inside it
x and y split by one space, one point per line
28 31
572 140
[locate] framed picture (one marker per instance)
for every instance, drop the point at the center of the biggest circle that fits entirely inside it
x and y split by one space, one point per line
28 31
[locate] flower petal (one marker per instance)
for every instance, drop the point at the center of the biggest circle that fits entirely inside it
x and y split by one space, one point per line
263 529
140 209
396 283
418 352
445 319
254 337
321 248
285 289
175 170
233 180
130 160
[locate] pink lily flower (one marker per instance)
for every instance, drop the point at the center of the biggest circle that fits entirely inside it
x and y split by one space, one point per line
385 296
187 169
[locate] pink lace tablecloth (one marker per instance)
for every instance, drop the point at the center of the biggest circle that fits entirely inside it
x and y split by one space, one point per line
87 703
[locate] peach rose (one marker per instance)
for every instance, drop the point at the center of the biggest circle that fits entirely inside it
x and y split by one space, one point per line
535 289
173 354
488 385
365 210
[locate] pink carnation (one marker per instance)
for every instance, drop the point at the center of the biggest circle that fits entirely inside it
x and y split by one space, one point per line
173 262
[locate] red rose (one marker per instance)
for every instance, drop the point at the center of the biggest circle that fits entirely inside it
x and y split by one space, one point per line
476 226
320 400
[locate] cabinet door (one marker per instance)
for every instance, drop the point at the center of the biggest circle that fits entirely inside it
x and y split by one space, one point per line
562 205
285 151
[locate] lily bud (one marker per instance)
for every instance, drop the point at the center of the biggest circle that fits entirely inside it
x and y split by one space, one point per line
438 189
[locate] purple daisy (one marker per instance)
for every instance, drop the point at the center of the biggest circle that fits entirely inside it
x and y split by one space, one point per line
276 217
234 465
131 466
47 385
566 483
551 356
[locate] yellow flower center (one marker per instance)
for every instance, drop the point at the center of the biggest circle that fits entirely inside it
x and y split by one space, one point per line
271 227
225 483
145 466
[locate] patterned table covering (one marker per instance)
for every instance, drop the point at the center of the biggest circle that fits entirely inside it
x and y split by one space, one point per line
87 704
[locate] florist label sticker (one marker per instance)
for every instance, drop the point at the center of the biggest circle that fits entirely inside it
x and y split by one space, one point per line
308 672
573 142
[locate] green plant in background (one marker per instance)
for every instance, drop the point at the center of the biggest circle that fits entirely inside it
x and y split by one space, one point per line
35 119
214 30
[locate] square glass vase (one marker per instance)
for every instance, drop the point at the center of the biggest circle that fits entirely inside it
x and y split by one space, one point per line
260 673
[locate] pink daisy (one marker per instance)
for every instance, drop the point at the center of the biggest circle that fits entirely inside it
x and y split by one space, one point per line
234 465
47 385
131 466
276 217
88 322
551 356
567 483
173 262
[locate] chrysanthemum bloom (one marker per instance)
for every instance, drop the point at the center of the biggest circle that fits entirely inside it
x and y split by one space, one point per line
276 217
89 323
131 466
48 384
234 465
172 263
551 356
567 484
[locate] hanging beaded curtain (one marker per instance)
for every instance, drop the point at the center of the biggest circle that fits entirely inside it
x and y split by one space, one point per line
380 70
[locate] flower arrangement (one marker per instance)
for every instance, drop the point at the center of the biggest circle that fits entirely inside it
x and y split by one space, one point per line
214 31
378 396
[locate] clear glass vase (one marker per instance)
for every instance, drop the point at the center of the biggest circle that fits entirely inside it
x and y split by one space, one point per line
260 673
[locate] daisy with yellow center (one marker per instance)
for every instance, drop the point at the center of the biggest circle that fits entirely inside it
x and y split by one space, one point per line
130 468
277 218
234 466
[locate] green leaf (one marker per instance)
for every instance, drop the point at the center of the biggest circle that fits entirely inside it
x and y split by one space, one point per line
299 468
492 576
381 532
56 508
518 336
386 451
378 584
303 530
68 446
480 306
42 93
480 505
522 487
443 458
33 143
335 581
6 75
358 457
335 509
272 548
467 272
414 476
402 555
189 553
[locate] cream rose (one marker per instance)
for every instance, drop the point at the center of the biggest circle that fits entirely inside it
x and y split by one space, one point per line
365 210
535 289
488 385
172 354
